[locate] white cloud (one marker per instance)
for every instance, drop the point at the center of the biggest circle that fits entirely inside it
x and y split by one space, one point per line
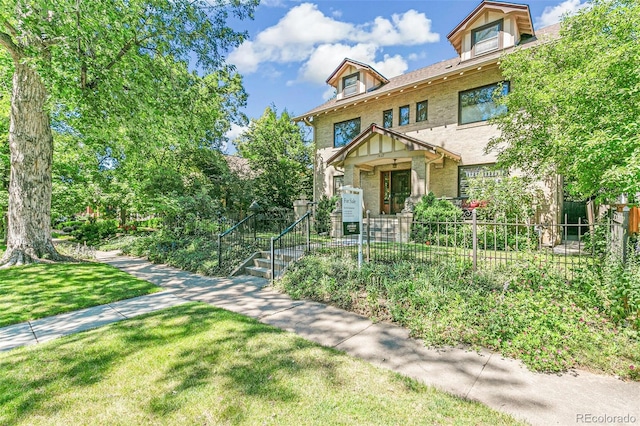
417 56
235 131
306 35
329 93
409 28
553 14
326 57
324 60
272 3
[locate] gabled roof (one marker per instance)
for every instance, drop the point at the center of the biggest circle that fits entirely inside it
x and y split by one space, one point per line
411 144
437 71
519 11
332 80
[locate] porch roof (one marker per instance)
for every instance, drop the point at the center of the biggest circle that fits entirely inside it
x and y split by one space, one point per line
411 144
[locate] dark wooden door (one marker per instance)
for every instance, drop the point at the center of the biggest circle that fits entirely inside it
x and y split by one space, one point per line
395 187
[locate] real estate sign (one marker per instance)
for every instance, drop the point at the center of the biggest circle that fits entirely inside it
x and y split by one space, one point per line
351 213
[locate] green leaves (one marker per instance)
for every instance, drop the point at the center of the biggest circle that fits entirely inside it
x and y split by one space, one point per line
278 154
574 108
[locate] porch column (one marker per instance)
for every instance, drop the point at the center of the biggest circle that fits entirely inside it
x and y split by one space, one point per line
350 175
418 177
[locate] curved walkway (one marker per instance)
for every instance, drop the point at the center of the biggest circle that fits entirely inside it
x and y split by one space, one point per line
577 397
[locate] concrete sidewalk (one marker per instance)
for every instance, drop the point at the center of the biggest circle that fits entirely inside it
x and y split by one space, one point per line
503 384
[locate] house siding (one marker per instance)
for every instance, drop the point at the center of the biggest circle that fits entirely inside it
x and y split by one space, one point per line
441 129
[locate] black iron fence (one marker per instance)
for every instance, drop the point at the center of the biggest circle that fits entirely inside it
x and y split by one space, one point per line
484 244
250 235
291 244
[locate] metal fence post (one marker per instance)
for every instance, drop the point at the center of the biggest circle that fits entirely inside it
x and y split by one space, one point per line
219 251
273 262
474 238
368 235
255 225
308 232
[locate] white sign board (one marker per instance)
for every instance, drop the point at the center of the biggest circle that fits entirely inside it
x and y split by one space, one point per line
351 213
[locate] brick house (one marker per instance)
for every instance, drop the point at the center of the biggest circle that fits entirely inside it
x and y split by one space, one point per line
426 130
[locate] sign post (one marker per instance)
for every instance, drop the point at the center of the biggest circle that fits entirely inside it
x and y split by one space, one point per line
352 215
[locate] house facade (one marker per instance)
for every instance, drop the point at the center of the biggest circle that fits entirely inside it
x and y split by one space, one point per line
427 130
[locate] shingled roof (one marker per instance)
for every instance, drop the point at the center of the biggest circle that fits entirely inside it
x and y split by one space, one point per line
438 70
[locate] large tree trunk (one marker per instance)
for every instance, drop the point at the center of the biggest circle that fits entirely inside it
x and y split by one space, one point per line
31 147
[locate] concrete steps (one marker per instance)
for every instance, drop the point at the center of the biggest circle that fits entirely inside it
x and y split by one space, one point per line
382 229
261 262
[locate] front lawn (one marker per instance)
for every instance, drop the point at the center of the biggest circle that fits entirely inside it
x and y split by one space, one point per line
195 364
39 290
530 312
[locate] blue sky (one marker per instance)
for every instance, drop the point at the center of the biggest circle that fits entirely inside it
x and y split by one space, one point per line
294 46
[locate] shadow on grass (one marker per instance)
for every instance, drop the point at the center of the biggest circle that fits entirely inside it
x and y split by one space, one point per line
185 349
37 291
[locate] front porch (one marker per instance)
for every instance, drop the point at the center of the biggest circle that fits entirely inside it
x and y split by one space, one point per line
395 170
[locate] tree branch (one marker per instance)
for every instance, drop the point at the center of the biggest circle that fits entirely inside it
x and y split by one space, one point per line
7 42
10 28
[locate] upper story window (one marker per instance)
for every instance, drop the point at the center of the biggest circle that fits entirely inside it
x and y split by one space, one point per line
350 84
486 38
403 115
421 111
479 104
344 131
387 119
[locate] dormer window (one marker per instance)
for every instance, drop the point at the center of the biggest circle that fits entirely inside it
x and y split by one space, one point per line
350 84
486 38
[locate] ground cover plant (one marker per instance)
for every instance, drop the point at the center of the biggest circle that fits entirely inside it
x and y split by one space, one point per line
195 364
39 290
528 311
191 253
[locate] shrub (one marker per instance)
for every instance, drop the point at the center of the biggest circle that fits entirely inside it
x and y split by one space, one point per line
527 311
323 214
435 221
93 232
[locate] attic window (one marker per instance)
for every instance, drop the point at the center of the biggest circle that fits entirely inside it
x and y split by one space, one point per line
350 84
487 37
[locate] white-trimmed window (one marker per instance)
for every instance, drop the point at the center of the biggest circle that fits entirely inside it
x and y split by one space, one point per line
350 84
486 38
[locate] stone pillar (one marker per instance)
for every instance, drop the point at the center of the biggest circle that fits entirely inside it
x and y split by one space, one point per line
336 224
350 173
300 208
403 234
418 177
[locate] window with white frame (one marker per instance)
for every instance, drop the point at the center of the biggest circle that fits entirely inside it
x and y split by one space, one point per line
486 38
350 84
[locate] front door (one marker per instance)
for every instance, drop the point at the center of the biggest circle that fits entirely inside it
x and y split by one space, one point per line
395 188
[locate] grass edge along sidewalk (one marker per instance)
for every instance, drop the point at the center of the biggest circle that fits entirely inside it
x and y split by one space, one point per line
198 364
41 290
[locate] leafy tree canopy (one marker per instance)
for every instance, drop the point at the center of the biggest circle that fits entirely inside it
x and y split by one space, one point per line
280 157
574 108
115 78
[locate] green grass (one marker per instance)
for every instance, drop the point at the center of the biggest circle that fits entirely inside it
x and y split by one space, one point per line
39 290
195 364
